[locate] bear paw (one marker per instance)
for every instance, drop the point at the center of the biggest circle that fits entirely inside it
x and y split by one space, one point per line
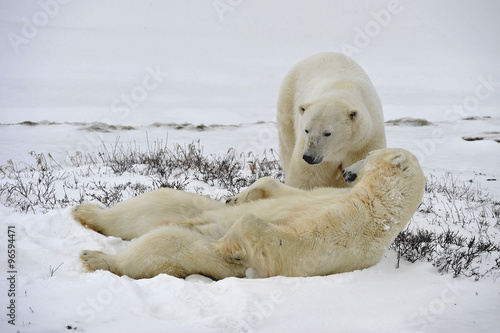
232 200
95 260
88 215
230 250
248 195
264 188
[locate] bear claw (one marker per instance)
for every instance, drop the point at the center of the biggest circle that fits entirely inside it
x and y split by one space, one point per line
232 201
94 260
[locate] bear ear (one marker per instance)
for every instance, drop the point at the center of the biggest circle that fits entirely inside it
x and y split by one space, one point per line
303 107
353 114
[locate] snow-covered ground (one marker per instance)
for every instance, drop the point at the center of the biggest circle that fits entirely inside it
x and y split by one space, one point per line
131 63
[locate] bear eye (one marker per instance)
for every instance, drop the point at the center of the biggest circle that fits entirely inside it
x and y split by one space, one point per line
327 134
307 131
352 114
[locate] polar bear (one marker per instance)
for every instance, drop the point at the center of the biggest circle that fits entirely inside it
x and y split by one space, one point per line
329 116
297 233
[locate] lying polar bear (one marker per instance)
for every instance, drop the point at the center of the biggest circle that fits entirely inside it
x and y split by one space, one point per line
295 233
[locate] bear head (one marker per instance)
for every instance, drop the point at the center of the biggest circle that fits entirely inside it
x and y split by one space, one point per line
331 125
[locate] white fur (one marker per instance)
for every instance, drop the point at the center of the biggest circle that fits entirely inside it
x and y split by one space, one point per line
327 93
296 233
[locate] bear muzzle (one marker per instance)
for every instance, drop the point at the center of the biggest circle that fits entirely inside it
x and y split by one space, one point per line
312 159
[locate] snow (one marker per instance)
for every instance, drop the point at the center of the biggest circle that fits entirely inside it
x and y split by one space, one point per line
136 63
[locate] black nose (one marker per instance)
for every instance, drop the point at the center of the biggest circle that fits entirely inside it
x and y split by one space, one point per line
349 177
312 159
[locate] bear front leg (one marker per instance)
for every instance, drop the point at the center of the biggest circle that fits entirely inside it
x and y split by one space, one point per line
255 243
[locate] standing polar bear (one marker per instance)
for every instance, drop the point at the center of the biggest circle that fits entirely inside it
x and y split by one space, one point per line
329 116
297 233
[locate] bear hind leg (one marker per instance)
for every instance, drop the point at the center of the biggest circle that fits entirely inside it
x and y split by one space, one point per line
170 250
114 221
